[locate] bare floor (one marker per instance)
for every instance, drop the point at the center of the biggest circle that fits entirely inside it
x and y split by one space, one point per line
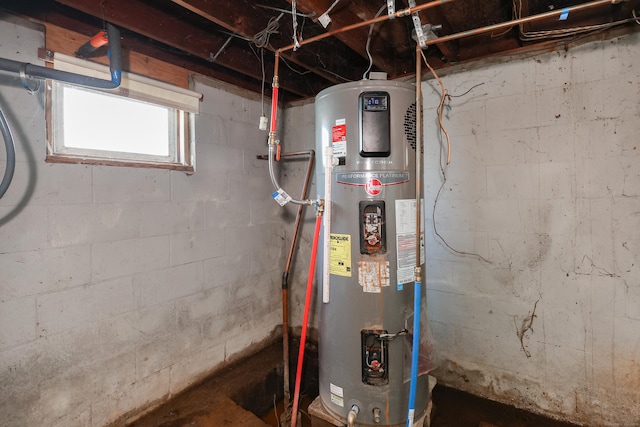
253 386
453 408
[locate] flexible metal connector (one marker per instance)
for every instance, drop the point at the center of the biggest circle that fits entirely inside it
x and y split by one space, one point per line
352 415
276 185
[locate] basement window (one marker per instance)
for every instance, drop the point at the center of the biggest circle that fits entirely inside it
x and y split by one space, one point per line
143 123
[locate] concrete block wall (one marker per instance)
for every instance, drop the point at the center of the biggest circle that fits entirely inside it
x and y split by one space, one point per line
299 135
119 287
543 309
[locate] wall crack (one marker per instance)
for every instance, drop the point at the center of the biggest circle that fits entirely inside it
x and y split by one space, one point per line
526 326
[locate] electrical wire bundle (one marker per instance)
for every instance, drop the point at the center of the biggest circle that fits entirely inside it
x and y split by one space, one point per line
563 32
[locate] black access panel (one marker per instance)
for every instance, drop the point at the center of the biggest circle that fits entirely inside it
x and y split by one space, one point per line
375 133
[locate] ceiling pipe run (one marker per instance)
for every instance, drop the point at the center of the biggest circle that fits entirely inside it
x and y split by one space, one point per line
398 14
442 39
558 12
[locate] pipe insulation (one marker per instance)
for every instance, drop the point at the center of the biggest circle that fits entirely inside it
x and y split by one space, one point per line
38 72
26 70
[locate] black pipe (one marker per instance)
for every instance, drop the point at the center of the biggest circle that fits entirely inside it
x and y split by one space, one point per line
36 71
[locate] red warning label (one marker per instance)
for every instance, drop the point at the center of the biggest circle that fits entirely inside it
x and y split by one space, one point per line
339 133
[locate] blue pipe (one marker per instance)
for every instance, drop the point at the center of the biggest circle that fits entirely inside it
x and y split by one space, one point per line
38 72
417 296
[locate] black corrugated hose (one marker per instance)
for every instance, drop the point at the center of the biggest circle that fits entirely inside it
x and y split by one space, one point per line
11 154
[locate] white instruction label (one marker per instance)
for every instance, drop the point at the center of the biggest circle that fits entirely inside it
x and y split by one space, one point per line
281 197
338 391
373 275
406 240
337 400
339 138
337 395
340 255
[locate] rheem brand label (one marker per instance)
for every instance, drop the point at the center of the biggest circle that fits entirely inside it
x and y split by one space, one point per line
373 182
373 187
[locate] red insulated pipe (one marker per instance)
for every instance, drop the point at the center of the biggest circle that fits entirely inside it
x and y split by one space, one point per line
274 109
305 319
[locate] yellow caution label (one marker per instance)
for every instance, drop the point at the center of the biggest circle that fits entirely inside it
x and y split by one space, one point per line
340 256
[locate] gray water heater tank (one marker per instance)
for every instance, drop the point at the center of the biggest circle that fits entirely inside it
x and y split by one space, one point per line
365 327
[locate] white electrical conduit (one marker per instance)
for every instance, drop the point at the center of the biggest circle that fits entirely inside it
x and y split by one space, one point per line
329 162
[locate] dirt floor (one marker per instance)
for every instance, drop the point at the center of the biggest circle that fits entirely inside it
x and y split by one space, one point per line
453 408
253 386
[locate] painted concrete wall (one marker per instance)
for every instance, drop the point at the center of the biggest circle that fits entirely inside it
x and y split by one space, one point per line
543 184
120 287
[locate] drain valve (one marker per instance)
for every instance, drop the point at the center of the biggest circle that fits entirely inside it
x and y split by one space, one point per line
376 415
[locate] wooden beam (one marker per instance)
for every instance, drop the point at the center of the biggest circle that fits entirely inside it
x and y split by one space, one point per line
384 55
254 20
139 17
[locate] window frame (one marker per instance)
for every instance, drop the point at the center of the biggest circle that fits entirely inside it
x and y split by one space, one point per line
182 104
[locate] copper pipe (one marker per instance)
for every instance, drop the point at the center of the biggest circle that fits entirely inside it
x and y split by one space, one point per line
300 208
519 21
398 14
276 65
285 274
419 144
288 154
285 345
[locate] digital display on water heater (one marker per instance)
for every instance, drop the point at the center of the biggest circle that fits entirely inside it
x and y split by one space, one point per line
375 124
375 102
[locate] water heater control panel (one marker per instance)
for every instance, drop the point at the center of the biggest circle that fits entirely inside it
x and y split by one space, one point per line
374 111
373 235
375 357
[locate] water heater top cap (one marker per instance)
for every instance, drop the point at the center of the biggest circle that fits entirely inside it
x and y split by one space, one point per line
367 85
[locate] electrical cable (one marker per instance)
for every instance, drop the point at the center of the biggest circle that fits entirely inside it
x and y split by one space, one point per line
222 48
263 80
564 32
440 106
304 15
294 15
444 96
326 12
364 75
463 94
261 39
11 154
302 73
433 220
